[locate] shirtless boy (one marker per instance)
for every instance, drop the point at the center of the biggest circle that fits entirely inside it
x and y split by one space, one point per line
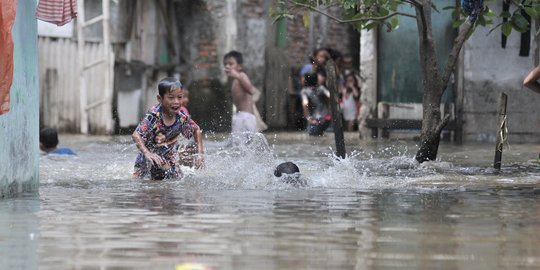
242 91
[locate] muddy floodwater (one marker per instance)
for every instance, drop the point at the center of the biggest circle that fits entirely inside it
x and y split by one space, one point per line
376 209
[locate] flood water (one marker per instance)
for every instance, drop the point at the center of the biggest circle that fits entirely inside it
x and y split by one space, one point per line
377 209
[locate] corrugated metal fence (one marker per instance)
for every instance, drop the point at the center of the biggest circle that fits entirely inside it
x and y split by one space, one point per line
59 87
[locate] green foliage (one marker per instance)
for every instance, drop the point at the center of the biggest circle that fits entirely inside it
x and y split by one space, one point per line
368 14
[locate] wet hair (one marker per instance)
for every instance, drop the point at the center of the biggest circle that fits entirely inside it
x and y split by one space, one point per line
334 54
313 56
236 55
289 173
310 79
168 84
353 75
48 137
286 168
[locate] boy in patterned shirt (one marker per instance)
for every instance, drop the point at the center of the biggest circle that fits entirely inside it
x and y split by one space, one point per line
157 135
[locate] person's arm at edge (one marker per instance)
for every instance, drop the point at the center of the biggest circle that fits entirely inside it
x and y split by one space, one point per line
531 81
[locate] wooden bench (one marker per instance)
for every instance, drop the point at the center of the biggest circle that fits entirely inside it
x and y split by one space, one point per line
404 116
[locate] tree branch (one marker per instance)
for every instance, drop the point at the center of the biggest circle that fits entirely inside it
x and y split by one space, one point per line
464 30
412 2
314 9
442 124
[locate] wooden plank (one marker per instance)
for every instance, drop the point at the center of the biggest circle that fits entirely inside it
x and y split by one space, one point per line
401 124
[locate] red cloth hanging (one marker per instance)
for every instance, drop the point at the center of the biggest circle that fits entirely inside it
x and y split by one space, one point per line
58 12
8 9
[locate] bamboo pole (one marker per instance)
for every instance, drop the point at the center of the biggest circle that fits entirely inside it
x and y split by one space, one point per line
336 110
501 131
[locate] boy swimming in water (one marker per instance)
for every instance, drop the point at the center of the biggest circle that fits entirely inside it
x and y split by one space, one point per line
289 173
157 134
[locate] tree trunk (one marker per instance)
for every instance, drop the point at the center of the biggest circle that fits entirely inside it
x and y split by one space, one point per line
431 86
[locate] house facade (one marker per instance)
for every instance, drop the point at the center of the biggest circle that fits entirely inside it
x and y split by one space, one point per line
182 38
484 70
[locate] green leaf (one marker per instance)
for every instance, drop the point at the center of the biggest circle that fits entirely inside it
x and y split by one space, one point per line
519 22
481 21
505 14
531 12
457 23
371 25
489 13
537 9
306 19
506 29
394 22
357 26
434 7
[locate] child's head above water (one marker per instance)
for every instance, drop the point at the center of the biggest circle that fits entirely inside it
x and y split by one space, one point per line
289 173
48 138
168 84
286 168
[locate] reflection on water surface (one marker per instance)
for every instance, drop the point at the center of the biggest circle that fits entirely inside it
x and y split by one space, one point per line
376 209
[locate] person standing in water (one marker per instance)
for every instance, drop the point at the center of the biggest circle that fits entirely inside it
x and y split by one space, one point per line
157 134
242 91
187 149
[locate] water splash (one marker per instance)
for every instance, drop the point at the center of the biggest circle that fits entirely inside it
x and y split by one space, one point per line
378 165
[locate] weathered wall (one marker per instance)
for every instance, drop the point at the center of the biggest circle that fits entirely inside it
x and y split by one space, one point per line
490 70
19 150
202 31
322 32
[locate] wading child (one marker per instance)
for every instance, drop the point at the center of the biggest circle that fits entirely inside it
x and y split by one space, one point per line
185 102
157 134
48 142
350 104
242 91
187 148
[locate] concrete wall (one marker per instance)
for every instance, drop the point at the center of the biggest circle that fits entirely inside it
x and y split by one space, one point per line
490 70
19 143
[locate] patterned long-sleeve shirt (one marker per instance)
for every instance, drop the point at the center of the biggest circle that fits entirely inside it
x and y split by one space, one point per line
149 128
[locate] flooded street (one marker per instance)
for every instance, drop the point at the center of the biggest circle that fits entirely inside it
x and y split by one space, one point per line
377 209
